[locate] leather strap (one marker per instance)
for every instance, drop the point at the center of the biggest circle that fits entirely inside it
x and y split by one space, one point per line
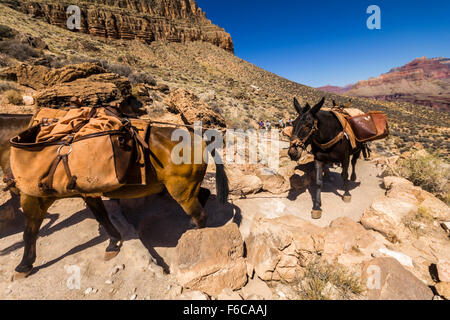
331 143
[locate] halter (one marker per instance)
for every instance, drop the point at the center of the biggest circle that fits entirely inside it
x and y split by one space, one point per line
302 143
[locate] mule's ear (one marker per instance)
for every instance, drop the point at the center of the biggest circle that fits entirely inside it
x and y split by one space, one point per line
297 106
318 106
306 108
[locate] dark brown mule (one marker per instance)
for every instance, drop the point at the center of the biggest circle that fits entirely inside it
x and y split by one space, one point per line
182 182
317 128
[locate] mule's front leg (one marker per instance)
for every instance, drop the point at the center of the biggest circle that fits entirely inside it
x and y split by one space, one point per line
34 210
345 166
317 208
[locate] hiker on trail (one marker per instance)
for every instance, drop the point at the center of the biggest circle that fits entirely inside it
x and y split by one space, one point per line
268 126
261 125
282 124
290 123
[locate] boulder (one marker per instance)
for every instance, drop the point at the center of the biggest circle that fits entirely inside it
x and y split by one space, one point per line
96 90
345 236
385 216
193 109
39 77
192 295
274 183
443 288
241 184
229 295
278 249
436 208
391 181
443 269
387 279
211 260
257 287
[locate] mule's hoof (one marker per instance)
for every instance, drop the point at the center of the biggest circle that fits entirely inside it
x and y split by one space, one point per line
316 214
347 199
21 275
111 255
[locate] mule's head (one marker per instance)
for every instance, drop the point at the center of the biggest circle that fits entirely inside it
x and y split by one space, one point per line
303 128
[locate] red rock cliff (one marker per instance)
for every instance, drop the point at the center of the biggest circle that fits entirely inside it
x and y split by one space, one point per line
145 20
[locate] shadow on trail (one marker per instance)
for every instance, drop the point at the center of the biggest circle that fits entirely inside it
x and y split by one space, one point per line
158 221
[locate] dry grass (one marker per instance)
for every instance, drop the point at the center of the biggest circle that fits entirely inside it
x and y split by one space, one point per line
329 282
426 170
419 223
14 97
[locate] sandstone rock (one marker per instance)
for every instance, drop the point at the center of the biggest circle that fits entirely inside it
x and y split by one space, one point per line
274 183
386 279
346 236
40 77
146 21
443 268
279 248
385 216
211 260
404 259
93 91
257 287
193 295
192 109
436 208
443 288
242 184
229 295
390 182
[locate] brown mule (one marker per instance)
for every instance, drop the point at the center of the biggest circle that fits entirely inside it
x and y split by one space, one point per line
182 182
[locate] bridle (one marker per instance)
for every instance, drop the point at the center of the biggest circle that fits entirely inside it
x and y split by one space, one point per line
301 143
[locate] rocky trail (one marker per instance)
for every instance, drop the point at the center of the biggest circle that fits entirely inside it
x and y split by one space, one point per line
155 228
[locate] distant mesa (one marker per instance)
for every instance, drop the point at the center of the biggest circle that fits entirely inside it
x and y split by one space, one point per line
423 81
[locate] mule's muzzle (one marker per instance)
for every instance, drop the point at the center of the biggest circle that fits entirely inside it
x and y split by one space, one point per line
295 149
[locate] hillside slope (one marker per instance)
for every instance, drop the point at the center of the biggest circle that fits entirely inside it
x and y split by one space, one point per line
242 92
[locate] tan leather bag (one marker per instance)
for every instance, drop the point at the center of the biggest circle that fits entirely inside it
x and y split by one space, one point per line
370 126
62 160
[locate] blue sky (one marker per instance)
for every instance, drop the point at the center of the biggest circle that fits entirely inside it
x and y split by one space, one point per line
327 42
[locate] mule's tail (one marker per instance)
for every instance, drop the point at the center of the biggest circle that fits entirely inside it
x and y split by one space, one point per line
366 151
222 188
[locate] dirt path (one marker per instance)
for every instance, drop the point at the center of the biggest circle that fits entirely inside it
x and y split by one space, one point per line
71 237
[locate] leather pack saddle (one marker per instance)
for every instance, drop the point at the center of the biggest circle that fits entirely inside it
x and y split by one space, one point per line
79 151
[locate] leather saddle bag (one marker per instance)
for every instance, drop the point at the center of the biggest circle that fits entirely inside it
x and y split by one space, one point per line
76 154
370 126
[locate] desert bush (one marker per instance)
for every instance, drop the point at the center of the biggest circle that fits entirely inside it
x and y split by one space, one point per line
14 97
6 32
18 50
324 281
426 170
141 77
7 85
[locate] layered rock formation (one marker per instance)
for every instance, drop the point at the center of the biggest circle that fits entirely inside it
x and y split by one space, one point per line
422 81
144 20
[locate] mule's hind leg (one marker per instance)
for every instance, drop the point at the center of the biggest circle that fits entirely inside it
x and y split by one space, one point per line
345 166
203 196
34 210
98 209
190 198
354 161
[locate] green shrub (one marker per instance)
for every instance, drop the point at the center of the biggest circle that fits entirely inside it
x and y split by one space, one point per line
14 97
